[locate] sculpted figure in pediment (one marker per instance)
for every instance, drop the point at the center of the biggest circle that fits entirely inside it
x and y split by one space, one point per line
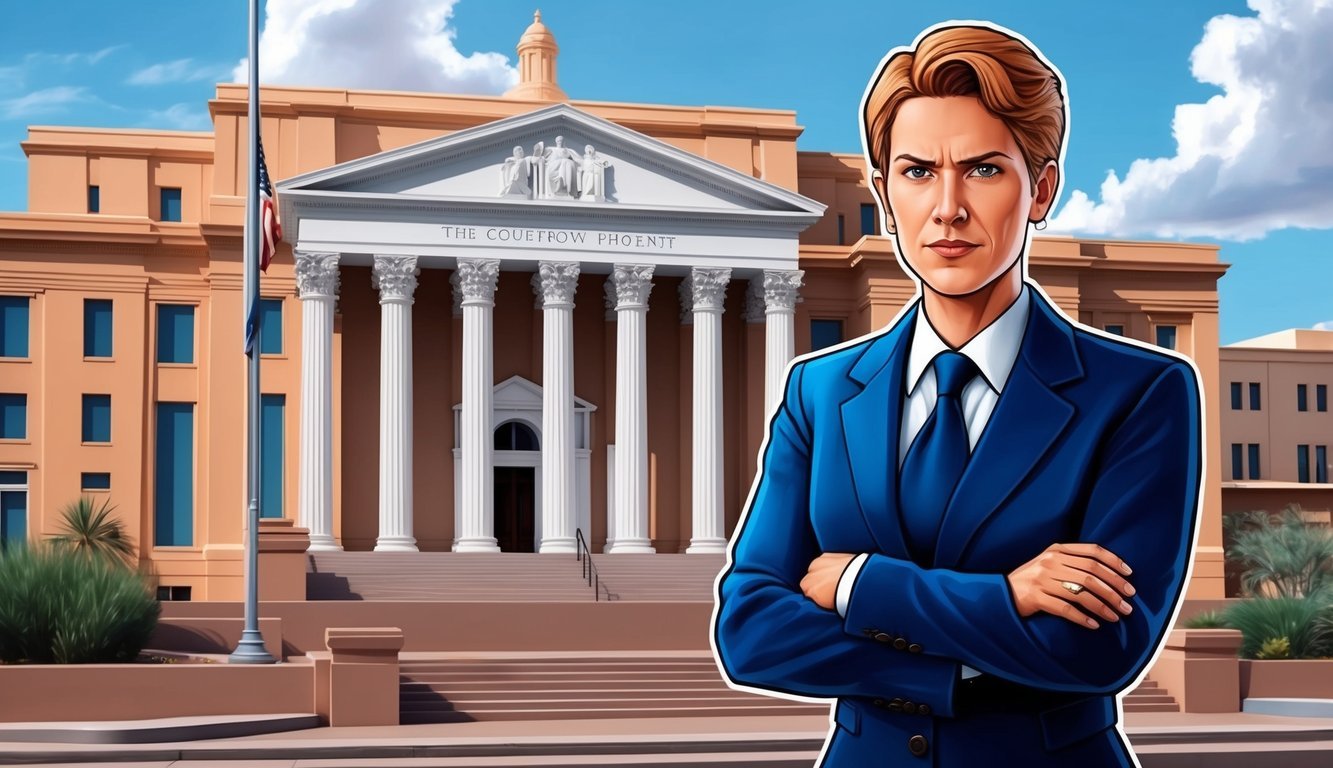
514 175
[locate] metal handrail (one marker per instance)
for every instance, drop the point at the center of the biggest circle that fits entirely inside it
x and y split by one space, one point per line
584 555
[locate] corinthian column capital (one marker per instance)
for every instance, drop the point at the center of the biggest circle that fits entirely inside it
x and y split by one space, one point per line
477 278
395 277
633 283
317 274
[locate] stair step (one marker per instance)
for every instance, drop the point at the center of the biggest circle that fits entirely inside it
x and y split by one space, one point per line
415 717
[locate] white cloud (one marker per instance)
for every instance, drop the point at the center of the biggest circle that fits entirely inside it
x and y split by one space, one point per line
178 71
1256 158
44 101
181 117
1326 325
405 45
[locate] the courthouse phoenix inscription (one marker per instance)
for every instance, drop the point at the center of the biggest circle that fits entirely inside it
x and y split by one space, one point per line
577 237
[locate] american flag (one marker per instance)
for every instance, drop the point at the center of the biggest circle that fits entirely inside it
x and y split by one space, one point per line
270 231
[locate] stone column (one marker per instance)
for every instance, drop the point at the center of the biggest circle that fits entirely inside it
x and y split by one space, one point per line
396 279
477 278
632 282
555 283
317 282
702 296
780 297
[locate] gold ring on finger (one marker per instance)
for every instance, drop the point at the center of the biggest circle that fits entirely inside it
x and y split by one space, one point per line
1072 587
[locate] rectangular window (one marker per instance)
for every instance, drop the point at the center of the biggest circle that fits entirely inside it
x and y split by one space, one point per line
825 333
97 418
173 481
1237 461
13 508
171 204
1321 397
1302 463
270 328
868 219
1236 399
173 593
271 456
1302 398
97 328
1166 336
13 417
175 333
13 326
1118 330
94 199
842 229
1254 461
1254 396
1321 463
96 481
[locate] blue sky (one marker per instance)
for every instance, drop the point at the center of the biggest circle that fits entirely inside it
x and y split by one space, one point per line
1247 162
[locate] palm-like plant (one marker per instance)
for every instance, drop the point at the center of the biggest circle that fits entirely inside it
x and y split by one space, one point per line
1281 555
93 532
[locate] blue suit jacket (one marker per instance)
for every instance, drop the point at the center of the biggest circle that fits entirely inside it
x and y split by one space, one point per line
1092 440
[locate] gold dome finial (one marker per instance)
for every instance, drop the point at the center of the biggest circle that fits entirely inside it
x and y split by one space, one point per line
537 51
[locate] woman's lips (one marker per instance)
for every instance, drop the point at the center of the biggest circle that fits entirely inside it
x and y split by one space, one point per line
950 251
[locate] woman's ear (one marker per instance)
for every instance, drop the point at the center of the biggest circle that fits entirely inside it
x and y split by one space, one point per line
879 188
1043 193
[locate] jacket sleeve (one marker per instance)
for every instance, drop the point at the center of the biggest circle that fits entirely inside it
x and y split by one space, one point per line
767 633
1142 506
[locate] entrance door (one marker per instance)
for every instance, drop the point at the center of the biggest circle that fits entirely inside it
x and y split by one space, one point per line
515 508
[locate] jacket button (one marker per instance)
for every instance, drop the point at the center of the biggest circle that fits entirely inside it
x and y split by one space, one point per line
909 707
882 637
918 745
900 643
914 648
923 709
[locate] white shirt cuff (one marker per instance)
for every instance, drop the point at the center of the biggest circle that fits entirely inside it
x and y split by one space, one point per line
846 581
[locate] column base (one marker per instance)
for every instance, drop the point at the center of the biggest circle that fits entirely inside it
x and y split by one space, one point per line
563 545
706 546
479 544
629 547
396 544
322 542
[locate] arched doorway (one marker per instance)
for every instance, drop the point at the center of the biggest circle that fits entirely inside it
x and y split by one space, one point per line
516 489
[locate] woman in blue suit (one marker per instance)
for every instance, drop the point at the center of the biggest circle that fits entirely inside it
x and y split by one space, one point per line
941 533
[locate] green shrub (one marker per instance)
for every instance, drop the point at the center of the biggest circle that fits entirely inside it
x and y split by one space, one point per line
1303 623
1206 620
58 606
93 532
1280 554
1273 649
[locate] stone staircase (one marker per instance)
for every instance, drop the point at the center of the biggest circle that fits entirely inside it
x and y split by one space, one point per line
1150 697
467 687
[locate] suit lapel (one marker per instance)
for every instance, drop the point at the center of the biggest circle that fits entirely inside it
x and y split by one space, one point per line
1027 419
871 421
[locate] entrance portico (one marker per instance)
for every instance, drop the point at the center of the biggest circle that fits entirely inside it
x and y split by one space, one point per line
465 208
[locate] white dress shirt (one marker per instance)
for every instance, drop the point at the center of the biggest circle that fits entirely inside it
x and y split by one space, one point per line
994 351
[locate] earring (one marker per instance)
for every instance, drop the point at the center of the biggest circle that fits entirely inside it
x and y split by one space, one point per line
1040 225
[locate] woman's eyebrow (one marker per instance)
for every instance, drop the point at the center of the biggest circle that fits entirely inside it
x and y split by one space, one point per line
964 161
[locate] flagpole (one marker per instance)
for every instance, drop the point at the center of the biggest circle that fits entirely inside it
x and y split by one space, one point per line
251 649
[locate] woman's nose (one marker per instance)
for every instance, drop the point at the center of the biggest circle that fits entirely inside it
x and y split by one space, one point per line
949 208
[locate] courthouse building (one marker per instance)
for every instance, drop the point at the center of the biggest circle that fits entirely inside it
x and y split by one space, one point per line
494 322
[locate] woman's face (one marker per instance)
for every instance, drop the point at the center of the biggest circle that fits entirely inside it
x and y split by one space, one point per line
958 193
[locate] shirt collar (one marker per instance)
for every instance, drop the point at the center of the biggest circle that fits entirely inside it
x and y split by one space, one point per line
994 351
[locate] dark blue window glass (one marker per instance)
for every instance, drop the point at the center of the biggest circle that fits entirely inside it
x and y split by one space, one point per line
1254 396
1302 397
1236 401
1254 461
868 218
1118 330
842 229
1237 457
173 481
97 328
97 418
13 517
10 477
13 417
171 204
13 326
825 333
96 481
1321 397
1321 463
94 198
270 329
175 333
271 456
1302 463
1166 336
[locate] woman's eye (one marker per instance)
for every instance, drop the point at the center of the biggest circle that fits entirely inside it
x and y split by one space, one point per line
986 170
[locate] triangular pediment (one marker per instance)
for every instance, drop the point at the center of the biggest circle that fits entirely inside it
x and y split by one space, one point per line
625 170
520 394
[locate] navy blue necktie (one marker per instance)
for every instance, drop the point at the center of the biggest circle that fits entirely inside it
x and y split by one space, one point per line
937 457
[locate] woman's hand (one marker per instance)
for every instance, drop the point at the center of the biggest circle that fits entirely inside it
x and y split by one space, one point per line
821 579
1044 584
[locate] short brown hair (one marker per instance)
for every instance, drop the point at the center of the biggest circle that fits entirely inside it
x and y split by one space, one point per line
1009 78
